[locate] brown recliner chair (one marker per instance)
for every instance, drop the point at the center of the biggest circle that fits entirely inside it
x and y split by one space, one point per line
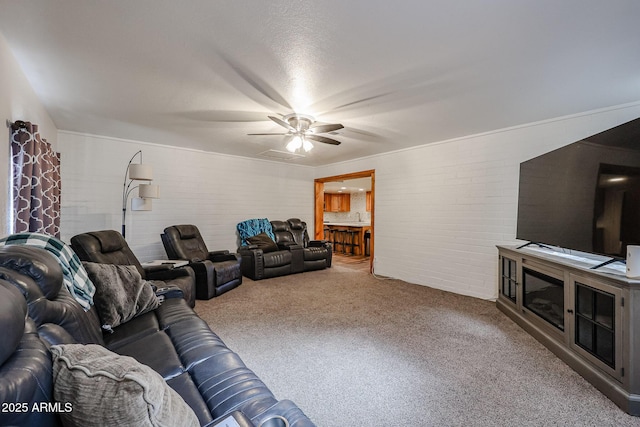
110 247
216 272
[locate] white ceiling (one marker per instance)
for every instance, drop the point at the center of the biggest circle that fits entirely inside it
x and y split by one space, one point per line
203 74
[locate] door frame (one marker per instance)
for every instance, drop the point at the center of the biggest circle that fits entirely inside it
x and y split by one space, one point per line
318 186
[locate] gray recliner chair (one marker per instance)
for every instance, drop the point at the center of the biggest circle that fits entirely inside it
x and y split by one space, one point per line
216 272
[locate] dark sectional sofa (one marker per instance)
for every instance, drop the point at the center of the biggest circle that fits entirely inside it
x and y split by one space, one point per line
290 252
38 312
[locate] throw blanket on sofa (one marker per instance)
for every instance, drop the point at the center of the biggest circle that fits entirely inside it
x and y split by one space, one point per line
253 227
75 277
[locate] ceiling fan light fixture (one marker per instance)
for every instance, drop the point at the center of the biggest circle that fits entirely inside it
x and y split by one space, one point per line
302 130
295 144
306 145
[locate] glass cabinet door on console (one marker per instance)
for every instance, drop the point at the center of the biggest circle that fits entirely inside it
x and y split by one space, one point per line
509 278
597 312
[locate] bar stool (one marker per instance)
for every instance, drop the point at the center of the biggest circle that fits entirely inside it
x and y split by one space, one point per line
327 234
334 239
355 242
348 241
339 239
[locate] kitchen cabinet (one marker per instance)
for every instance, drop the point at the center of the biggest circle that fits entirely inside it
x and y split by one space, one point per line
337 202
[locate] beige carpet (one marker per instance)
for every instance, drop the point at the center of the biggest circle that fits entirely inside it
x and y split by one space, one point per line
353 350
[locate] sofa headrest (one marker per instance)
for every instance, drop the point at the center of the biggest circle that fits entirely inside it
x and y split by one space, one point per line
110 240
279 226
36 263
13 313
187 231
295 223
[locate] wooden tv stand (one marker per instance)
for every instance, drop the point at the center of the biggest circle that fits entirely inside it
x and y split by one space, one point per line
589 318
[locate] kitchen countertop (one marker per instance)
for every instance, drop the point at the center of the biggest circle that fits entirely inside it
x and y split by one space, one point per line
350 224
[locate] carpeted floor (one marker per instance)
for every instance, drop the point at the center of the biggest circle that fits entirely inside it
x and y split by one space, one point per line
353 350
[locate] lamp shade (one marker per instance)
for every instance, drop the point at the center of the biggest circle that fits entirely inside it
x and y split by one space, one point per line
149 191
140 172
140 204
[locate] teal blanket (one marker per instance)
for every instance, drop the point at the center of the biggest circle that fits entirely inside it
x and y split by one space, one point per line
253 227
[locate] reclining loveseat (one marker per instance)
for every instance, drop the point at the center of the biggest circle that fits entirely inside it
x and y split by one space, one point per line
59 362
276 248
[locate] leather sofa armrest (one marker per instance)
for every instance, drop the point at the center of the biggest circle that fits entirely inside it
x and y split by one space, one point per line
169 273
252 264
54 334
160 267
289 246
219 256
220 252
318 243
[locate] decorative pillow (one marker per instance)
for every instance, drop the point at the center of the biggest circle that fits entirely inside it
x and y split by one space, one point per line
121 294
264 242
106 389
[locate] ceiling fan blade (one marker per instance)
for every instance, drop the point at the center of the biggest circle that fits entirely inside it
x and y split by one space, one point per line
268 134
323 139
326 128
282 123
251 78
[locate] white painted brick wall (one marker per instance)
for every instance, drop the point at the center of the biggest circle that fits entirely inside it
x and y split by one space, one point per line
212 191
441 209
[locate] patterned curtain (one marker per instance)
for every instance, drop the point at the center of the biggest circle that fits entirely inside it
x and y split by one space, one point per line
36 181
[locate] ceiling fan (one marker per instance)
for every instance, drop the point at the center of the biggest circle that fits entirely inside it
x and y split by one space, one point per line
303 129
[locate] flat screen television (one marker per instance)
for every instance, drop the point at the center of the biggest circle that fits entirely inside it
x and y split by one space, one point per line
586 195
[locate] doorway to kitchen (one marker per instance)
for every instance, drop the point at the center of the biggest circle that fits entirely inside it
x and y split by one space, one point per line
352 231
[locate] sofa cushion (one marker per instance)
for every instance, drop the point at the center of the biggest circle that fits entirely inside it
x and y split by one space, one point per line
104 388
121 294
277 259
264 242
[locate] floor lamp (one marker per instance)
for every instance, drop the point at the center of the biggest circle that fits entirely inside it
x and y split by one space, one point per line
146 192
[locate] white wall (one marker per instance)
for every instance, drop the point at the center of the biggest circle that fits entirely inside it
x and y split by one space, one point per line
441 209
212 191
17 102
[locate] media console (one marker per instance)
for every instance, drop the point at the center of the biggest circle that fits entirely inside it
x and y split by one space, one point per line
589 318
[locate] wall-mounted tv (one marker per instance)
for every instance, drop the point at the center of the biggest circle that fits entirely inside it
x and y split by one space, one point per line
586 195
